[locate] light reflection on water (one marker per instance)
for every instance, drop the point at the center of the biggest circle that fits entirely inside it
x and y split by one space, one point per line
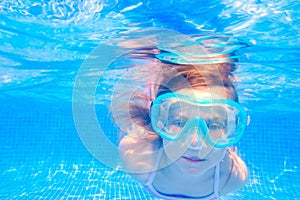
46 41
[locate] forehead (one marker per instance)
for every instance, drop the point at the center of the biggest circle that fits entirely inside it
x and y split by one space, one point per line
215 92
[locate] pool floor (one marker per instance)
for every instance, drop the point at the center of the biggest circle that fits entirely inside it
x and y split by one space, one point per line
42 157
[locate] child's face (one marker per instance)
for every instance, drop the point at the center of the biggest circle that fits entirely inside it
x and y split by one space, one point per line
192 153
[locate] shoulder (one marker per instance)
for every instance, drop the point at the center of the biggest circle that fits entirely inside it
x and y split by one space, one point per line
131 144
237 175
138 156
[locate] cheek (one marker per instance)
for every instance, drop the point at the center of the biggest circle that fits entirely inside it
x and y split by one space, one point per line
174 150
217 155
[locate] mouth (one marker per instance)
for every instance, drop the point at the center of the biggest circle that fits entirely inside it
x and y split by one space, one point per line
193 159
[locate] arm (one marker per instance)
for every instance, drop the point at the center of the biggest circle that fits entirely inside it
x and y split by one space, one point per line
238 173
138 155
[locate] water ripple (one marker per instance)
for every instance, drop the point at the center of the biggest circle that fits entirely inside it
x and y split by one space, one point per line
40 36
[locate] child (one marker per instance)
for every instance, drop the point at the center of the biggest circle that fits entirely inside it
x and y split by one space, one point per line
179 141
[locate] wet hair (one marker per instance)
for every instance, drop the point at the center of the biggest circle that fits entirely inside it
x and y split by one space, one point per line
199 76
133 107
176 77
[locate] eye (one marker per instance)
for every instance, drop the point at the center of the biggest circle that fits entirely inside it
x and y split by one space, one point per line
215 125
175 126
178 123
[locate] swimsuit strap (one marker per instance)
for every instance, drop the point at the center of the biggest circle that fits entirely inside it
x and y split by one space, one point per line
217 177
217 180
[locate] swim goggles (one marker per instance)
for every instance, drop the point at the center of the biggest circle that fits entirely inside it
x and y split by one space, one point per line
221 121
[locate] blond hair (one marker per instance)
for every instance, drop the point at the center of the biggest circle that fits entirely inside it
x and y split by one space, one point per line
175 77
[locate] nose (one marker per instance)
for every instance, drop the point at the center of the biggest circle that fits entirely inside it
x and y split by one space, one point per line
197 139
198 135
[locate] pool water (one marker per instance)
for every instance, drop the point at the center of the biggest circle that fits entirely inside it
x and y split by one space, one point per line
44 44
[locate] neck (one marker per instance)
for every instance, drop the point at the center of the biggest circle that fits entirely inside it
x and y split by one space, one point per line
177 172
174 180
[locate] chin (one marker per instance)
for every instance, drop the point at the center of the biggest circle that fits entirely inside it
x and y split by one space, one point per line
194 171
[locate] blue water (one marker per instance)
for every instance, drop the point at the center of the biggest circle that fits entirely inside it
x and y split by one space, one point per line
44 45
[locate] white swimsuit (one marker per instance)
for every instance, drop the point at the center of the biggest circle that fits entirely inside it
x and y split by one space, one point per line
213 196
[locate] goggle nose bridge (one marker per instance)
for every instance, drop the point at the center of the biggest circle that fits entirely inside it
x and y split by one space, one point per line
200 125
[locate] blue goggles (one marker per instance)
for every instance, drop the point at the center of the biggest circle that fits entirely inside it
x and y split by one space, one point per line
221 121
